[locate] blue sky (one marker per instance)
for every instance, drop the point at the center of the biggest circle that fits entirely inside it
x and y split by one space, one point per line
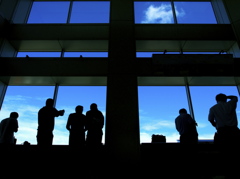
158 106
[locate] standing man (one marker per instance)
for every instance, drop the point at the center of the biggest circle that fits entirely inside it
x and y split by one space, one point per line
186 126
223 117
7 128
46 121
95 123
76 126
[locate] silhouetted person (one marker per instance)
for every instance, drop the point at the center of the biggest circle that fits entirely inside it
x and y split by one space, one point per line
186 126
8 127
46 121
95 123
76 126
224 118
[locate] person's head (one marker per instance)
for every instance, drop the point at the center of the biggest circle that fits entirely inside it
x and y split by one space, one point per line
221 97
183 111
79 109
93 106
49 102
14 115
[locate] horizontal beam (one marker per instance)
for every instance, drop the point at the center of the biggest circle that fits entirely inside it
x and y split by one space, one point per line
169 65
95 37
101 32
57 31
220 32
94 71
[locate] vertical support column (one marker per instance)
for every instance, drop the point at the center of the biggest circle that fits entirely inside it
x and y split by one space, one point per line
69 12
238 89
3 89
12 11
174 12
55 94
189 98
220 12
232 8
122 117
237 84
22 11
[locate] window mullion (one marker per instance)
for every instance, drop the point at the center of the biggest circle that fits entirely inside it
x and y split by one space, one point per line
55 95
189 98
69 12
174 12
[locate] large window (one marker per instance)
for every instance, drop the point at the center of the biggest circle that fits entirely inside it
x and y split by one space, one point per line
149 54
86 54
71 96
70 12
158 108
153 12
163 12
203 97
63 54
49 12
194 13
90 12
26 100
39 54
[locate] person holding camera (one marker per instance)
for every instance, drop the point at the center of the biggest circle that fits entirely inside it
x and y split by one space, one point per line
46 122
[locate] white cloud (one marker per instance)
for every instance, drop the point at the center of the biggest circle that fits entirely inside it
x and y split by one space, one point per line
60 137
157 125
26 132
16 98
202 125
206 136
172 138
161 14
145 137
60 122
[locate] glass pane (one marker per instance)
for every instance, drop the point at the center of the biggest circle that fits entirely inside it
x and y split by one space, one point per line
153 12
195 12
158 108
26 100
71 96
86 54
203 97
90 12
39 54
203 53
149 54
49 12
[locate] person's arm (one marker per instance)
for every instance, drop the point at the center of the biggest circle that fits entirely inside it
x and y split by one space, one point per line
16 126
233 100
58 112
68 122
232 97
